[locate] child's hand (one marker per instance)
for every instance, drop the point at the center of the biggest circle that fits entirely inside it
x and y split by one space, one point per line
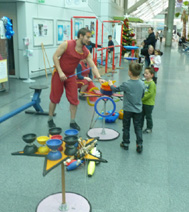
110 83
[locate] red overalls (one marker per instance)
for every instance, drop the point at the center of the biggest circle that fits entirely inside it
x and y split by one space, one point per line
68 63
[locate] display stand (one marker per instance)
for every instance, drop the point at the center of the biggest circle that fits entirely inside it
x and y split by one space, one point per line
63 201
117 21
132 48
104 134
35 103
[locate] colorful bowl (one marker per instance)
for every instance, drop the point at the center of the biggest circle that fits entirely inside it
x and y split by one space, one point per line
70 140
54 144
56 137
29 138
43 149
55 131
42 139
71 132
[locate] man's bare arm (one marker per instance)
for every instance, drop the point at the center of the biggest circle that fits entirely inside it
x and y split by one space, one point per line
94 68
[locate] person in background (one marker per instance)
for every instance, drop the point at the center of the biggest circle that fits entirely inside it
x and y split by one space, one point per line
161 36
156 37
155 61
110 50
91 45
148 100
132 105
151 40
147 52
84 78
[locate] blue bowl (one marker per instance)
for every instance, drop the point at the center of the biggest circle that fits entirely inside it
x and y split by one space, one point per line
71 132
53 143
54 155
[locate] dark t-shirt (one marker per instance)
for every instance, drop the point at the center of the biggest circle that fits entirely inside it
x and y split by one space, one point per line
111 43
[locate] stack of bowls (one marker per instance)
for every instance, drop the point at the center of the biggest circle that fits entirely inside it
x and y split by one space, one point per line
71 140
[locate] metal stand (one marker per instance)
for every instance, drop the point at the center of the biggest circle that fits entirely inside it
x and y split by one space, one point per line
104 134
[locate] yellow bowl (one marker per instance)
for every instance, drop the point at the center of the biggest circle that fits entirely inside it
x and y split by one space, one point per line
43 149
42 139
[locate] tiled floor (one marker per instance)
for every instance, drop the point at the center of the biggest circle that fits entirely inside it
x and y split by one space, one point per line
155 181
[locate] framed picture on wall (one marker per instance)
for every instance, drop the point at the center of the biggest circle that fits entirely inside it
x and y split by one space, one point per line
43 31
63 31
78 24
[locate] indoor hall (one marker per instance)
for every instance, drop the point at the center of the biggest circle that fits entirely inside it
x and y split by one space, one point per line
152 181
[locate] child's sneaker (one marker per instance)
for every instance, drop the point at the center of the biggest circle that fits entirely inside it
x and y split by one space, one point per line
125 146
139 148
147 131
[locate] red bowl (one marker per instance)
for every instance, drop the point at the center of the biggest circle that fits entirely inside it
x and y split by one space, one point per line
56 137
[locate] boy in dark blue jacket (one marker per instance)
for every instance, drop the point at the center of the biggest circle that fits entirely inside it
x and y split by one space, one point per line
110 50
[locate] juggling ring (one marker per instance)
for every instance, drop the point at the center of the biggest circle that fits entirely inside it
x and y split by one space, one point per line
88 98
104 98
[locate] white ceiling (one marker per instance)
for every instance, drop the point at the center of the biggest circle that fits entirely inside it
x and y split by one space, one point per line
149 9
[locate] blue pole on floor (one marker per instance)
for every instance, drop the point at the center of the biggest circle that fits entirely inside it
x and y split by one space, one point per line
35 103
14 112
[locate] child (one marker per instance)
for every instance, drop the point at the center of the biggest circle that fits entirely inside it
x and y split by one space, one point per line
110 50
84 79
132 105
149 99
156 62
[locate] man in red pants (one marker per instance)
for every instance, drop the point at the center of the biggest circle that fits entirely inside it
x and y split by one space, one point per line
66 60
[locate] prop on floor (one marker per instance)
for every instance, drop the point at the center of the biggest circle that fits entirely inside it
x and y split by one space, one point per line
35 103
53 158
92 164
112 118
121 114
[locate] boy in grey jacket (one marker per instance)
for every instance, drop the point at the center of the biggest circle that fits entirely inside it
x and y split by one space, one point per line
132 105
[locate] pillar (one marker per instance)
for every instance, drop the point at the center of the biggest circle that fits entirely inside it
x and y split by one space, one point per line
125 6
170 20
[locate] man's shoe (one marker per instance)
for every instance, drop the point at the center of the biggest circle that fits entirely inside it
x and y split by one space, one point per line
147 131
51 123
139 148
75 126
124 146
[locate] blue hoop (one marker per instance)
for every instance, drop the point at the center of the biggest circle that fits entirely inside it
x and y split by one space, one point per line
102 98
